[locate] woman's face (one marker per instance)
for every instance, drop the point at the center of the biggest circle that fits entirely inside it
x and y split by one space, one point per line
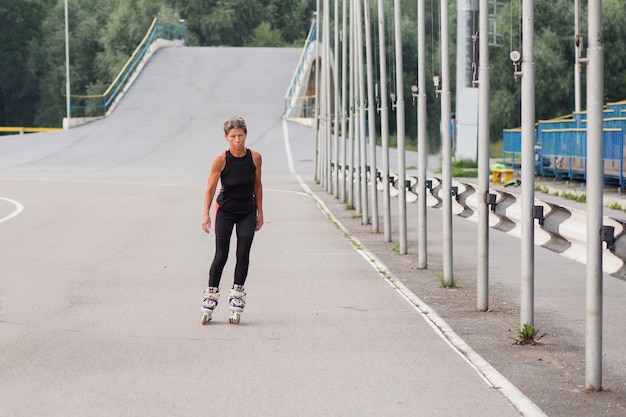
237 139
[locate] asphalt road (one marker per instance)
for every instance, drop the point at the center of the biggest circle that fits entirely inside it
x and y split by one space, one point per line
103 263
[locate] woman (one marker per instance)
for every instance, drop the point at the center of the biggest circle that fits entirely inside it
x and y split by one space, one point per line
240 203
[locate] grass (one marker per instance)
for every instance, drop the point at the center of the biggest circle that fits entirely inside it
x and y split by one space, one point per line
445 284
495 149
463 168
396 248
464 173
581 198
465 163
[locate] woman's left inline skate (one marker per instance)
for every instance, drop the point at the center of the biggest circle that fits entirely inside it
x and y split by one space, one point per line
236 303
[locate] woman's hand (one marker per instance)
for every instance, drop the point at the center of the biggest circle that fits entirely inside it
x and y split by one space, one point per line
206 223
259 222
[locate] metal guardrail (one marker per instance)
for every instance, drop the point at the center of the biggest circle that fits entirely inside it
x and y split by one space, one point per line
559 228
98 105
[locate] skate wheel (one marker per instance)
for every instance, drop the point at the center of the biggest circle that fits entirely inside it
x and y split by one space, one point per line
205 318
235 318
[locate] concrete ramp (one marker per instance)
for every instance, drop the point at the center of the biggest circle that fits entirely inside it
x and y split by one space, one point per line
103 264
171 119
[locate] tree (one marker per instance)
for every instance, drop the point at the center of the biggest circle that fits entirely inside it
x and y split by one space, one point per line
21 23
614 33
291 18
104 33
265 36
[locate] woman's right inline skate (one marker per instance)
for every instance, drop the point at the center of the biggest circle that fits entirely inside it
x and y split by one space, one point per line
211 296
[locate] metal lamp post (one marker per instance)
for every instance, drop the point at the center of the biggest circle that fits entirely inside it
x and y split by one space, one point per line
67 68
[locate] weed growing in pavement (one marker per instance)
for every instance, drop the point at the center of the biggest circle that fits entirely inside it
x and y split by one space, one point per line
527 335
615 206
581 198
396 248
444 284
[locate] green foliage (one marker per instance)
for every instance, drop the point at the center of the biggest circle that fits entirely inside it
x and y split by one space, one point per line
465 163
581 198
443 283
18 80
463 168
527 335
396 247
265 36
104 33
237 22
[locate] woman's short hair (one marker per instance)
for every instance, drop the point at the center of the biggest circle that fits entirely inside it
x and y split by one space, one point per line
235 122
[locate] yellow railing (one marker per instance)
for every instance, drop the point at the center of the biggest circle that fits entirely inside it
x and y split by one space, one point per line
22 130
99 104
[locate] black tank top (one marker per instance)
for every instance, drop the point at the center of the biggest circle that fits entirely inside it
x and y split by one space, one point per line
238 179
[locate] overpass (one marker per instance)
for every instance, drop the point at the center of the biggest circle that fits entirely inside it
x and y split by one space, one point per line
104 263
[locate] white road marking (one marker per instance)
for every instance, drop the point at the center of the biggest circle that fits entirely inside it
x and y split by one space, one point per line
18 209
488 373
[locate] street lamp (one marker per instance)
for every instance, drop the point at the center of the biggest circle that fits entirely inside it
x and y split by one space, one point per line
67 68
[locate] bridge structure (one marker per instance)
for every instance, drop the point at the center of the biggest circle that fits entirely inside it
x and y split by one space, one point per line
104 263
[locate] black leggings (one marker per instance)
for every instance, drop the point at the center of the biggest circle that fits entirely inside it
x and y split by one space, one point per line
224 223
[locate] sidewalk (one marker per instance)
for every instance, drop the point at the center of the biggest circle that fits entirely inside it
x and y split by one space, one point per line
550 373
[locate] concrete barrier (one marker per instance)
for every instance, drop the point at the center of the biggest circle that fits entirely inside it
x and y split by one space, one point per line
564 229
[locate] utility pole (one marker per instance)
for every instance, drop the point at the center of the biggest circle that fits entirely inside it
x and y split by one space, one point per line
400 129
527 295
336 107
344 101
328 132
595 183
351 143
384 121
422 140
576 59
484 88
371 117
446 145
316 110
362 118
68 98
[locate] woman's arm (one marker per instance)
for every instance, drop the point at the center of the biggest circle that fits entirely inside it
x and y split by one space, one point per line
216 169
258 189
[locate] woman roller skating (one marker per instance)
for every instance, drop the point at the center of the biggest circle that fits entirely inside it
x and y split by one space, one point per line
240 204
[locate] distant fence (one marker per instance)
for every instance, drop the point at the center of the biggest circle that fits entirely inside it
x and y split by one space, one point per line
21 130
561 146
99 105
